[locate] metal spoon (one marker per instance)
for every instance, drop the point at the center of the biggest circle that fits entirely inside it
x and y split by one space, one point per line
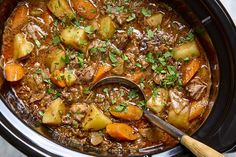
196 147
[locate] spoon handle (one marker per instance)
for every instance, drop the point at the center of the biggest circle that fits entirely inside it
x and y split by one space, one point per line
197 148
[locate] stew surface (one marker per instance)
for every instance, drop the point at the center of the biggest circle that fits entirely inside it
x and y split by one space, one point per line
54 50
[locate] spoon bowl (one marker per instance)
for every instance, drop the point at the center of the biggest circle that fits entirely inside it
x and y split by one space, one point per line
196 147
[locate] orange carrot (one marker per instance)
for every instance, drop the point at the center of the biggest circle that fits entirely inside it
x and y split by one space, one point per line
57 79
85 8
136 76
101 71
130 113
20 16
121 131
189 70
14 72
196 110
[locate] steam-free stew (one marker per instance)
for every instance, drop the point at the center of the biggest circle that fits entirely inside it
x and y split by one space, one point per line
54 50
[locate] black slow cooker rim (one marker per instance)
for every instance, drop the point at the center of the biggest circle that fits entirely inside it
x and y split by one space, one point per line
29 147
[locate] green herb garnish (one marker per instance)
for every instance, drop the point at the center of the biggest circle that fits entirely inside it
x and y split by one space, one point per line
146 12
121 107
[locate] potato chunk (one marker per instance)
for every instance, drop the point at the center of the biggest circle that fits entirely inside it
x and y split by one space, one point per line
180 120
154 20
70 77
187 50
61 9
157 103
22 47
53 113
54 60
95 119
107 27
75 37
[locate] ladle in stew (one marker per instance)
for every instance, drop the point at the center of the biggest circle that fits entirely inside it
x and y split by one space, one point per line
196 147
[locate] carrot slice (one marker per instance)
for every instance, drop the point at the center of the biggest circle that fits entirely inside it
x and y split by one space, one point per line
57 79
121 131
14 72
101 71
85 8
189 70
130 113
136 76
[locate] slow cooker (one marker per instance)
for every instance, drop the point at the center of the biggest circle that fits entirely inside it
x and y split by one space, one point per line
217 34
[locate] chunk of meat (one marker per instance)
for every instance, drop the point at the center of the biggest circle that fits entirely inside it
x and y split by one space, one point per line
178 102
96 138
87 73
20 16
196 88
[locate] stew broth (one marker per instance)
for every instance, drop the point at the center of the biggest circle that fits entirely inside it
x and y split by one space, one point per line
53 51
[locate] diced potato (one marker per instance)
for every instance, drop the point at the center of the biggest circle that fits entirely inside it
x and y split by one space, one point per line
54 60
85 8
186 50
119 69
196 109
107 27
189 70
155 20
75 37
22 47
180 120
95 119
157 103
53 113
70 77
13 72
61 9
130 113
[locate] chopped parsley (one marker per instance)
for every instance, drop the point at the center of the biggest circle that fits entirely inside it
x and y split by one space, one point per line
132 94
89 29
131 17
142 104
80 57
149 58
124 57
146 12
86 91
150 34
41 113
56 40
66 59
121 107
138 65
113 59
130 30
